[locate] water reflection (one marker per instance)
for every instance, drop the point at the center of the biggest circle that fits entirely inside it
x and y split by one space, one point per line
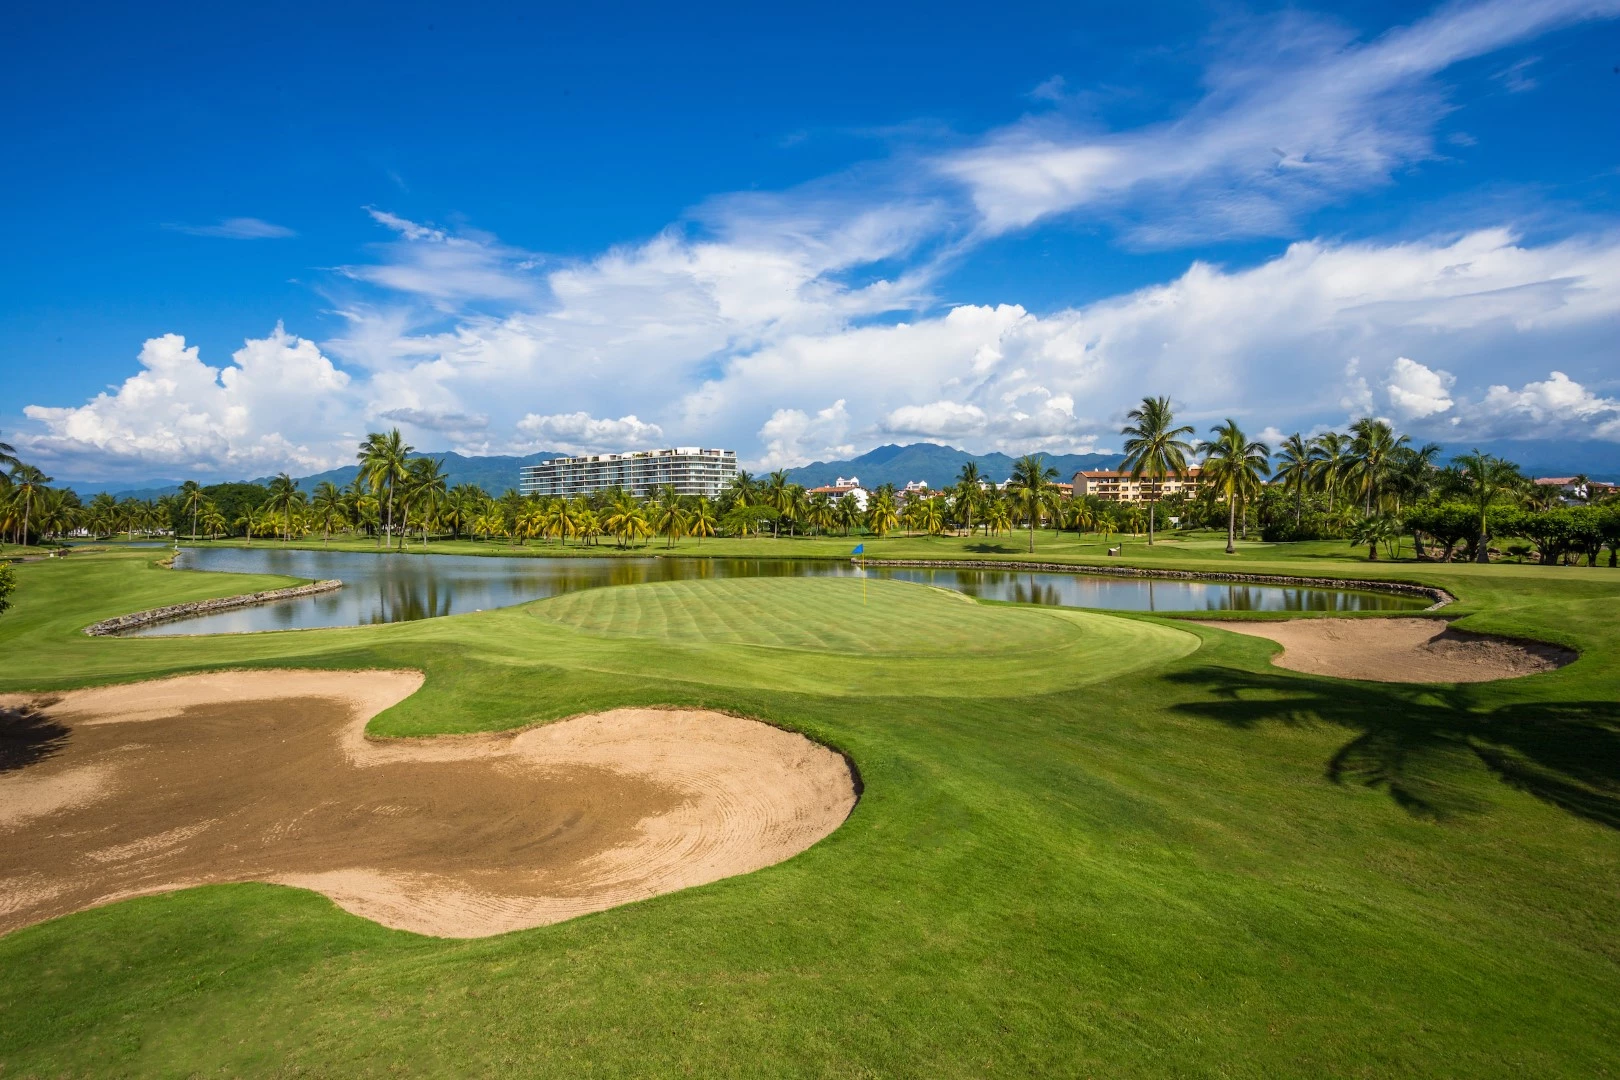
386 588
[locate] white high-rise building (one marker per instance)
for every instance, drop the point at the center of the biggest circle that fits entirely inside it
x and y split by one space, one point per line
689 470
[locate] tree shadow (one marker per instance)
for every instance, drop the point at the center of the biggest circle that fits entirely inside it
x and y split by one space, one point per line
28 736
1411 740
993 549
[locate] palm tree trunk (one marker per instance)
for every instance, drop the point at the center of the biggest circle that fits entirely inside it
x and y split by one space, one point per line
1152 504
1231 524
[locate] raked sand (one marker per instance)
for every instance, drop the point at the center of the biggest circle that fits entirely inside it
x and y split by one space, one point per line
269 776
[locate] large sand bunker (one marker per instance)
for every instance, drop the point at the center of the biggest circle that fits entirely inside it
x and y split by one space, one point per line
1400 650
269 776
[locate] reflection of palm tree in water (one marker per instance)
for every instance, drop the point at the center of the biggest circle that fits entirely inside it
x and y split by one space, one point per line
1410 740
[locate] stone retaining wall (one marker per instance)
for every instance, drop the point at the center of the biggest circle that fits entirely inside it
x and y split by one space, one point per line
1439 597
206 607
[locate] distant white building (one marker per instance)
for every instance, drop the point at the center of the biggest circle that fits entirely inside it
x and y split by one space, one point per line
914 487
850 486
689 470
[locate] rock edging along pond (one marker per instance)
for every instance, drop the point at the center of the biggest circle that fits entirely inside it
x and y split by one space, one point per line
204 607
1439 597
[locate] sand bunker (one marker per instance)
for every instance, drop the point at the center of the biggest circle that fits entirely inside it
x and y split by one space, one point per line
1400 650
269 776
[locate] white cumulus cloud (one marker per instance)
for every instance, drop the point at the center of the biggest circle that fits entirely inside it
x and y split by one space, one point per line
582 433
1416 391
281 403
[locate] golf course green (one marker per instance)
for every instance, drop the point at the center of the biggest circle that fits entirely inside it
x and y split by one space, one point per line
1086 844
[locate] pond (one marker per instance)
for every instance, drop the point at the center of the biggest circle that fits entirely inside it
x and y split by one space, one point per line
398 587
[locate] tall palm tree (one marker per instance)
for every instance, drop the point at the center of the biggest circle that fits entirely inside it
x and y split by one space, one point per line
284 495
1235 466
669 517
1155 448
383 461
1295 462
777 498
329 506
1331 462
1373 446
28 483
426 483
192 498
1031 489
1485 479
969 491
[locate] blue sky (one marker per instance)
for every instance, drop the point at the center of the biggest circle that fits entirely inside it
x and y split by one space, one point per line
240 240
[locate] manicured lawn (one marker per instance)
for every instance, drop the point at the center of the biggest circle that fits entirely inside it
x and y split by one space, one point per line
1081 850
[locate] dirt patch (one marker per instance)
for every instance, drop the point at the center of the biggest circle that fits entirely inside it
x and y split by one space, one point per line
1400 650
269 776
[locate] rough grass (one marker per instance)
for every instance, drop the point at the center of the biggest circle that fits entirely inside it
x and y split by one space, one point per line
1203 867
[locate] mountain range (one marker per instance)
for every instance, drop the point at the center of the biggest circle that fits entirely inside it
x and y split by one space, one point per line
934 463
937 465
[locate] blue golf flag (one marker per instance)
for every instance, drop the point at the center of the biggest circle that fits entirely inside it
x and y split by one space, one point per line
858 549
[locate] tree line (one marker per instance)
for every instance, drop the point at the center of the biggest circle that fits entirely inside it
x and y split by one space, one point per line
1370 486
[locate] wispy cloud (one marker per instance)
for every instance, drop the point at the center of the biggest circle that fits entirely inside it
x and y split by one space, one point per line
1299 114
238 228
1516 77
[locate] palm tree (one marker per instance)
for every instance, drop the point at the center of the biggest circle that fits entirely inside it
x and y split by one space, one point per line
1373 446
28 482
1373 530
284 495
930 516
702 521
1082 517
744 488
8 455
251 520
969 491
461 507
425 486
819 514
625 519
192 498
776 497
1412 473
1296 461
213 520
848 511
329 507
1031 491
881 515
1155 448
1331 462
1485 479
669 516
383 463
1235 466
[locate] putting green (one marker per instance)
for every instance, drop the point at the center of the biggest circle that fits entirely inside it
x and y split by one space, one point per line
883 636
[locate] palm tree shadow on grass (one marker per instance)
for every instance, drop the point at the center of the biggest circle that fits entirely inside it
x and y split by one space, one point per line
1411 740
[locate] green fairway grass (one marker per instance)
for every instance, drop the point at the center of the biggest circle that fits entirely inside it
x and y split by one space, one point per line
1088 845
